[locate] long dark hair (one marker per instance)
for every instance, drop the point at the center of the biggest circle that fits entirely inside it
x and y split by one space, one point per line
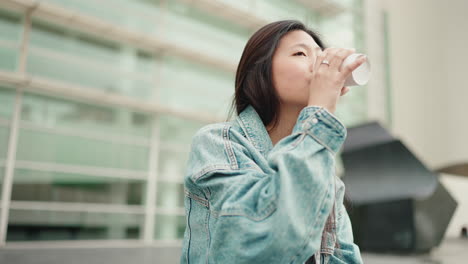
254 83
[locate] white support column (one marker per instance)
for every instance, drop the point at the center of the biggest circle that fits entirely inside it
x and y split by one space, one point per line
9 168
14 126
151 184
377 100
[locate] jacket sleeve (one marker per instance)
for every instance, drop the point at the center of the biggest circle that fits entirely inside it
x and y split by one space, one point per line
273 215
347 251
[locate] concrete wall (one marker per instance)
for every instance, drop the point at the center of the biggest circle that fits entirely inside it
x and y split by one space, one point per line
428 48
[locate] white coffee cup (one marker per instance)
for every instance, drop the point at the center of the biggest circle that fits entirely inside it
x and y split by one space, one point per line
361 75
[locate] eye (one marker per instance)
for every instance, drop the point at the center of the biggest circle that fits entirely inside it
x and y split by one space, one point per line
299 53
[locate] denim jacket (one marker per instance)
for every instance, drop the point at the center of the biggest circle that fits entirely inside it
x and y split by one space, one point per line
248 201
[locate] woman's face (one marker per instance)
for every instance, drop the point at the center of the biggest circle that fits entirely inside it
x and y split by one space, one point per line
293 63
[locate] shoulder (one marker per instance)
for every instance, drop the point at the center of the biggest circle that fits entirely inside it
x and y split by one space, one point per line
215 146
215 137
218 147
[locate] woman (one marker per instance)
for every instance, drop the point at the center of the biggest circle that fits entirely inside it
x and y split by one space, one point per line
262 188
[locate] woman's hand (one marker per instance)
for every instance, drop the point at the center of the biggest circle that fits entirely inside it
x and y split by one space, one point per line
326 85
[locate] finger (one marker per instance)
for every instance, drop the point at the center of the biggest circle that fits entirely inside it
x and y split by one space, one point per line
328 54
339 57
331 53
344 90
343 58
352 66
320 57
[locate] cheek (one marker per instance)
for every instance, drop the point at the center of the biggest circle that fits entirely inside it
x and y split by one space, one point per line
291 80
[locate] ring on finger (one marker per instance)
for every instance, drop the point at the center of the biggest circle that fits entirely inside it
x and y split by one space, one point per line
327 62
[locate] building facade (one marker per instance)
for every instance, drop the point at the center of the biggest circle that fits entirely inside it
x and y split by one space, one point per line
99 100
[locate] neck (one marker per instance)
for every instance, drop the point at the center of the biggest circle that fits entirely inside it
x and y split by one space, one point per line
287 118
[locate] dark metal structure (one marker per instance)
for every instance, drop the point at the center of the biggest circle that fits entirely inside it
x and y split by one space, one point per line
397 203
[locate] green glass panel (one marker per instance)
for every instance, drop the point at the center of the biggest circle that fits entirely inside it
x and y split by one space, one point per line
7 97
70 73
103 120
63 149
53 37
37 225
206 32
244 5
34 185
90 78
205 40
10 26
93 63
146 63
2 173
273 10
4 133
6 109
170 195
352 108
189 86
169 227
339 31
172 164
9 57
350 4
178 130
136 15
86 7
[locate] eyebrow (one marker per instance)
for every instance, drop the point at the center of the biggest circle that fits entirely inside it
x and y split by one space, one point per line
305 46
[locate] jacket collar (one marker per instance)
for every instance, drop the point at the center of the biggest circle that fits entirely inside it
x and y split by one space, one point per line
253 127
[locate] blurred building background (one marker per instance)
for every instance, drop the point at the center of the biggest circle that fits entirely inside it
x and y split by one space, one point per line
99 100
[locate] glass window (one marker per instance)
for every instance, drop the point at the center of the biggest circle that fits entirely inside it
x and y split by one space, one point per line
2 172
170 195
74 71
177 130
49 36
37 225
9 56
169 227
93 63
57 148
277 9
102 120
10 26
40 185
190 86
4 136
64 132
7 98
172 165
206 34
136 15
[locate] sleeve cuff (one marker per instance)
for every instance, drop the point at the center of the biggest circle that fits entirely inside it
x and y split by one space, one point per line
323 126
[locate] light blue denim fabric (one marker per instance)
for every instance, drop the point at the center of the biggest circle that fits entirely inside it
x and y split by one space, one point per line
249 202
